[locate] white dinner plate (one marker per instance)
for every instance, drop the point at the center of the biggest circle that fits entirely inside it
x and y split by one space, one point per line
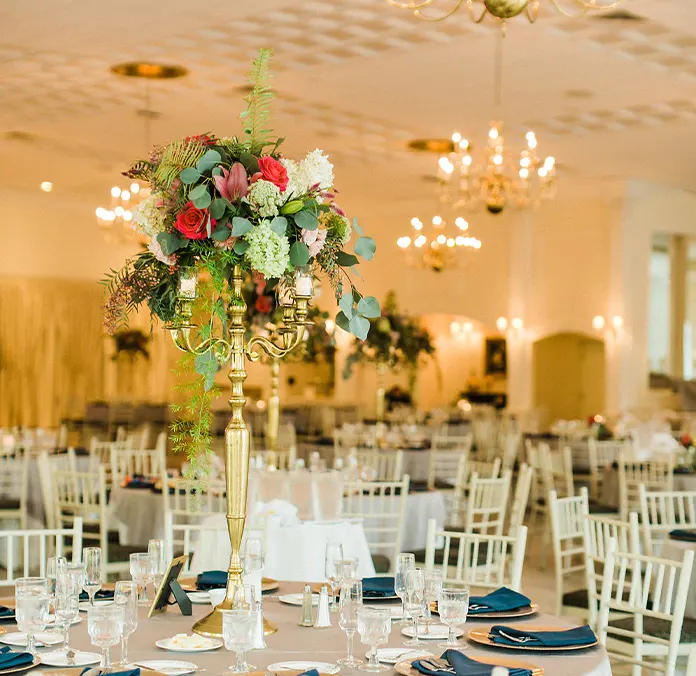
321 667
85 605
437 632
172 667
394 655
59 658
199 597
19 638
210 644
296 599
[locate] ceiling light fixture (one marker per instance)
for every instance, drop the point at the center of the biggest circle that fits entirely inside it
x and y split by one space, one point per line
46 186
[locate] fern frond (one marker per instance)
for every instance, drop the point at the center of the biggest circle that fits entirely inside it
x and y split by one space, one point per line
256 115
178 155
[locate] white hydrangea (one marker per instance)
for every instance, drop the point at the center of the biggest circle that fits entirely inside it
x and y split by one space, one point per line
265 197
268 252
148 217
317 169
297 183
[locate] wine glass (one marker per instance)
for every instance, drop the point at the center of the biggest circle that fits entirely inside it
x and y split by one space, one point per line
332 557
92 559
105 626
347 570
238 633
126 596
32 605
433 585
403 563
54 566
158 561
140 573
453 606
349 602
414 600
67 603
253 559
374 625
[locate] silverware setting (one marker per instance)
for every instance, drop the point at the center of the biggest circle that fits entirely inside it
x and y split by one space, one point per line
438 665
516 639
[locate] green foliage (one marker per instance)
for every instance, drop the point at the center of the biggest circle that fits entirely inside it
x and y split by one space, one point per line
177 156
256 115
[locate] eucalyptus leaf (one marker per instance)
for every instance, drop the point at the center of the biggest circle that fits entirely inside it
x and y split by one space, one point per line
346 304
365 247
346 260
202 201
369 307
306 220
189 175
197 191
217 171
220 234
251 164
217 208
359 327
210 159
279 225
240 226
240 246
356 226
170 242
299 254
343 322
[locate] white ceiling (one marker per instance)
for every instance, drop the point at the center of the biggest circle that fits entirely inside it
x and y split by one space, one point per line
357 78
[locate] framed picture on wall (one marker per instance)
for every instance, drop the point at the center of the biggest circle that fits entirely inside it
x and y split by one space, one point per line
495 357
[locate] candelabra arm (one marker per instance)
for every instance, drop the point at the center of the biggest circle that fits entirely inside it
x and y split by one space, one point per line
291 339
181 336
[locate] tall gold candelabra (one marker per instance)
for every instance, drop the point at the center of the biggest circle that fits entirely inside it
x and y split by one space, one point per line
232 349
273 419
381 405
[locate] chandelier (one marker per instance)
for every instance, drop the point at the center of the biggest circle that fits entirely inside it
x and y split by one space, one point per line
116 220
435 248
496 176
500 9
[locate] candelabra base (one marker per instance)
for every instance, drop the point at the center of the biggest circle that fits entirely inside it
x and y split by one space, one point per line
211 624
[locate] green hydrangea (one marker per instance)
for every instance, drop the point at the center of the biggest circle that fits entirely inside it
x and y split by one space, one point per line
265 198
338 226
268 252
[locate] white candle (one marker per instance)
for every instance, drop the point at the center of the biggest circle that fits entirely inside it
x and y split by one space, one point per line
303 285
187 287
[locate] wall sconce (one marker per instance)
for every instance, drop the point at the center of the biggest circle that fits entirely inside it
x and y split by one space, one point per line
457 328
615 328
516 325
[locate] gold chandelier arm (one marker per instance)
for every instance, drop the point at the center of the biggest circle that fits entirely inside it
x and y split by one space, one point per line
472 16
422 16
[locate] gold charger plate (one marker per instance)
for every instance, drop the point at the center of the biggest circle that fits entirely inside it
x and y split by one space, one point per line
26 667
76 671
481 636
525 611
405 668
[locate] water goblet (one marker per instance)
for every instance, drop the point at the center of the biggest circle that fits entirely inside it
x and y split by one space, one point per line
67 604
238 633
404 562
433 585
105 627
453 606
126 596
347 570
349 602
140 573
158 561
374 626
92 559
414 601
333 554
32 605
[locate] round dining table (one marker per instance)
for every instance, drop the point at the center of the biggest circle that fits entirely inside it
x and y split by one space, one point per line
292 642
674 551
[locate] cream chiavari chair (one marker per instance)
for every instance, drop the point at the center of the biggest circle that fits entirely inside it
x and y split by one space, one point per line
278 459
465 470
487 504
145 462
511 446
382 507
556 470
47 464
520 498
386 465
14 486
603 454
653 592
656 475
663 511
183 538
485 561
444 470
599 531
567 517
26 551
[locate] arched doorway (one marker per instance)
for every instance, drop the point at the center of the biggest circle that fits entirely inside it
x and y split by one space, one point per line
569 376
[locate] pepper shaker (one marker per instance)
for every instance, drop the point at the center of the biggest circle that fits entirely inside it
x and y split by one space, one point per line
323 615
259 640
307 613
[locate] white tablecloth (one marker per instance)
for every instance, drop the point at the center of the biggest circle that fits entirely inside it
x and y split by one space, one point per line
674 550
294 552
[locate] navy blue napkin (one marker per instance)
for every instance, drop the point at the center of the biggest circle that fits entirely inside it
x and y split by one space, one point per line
6 613
498 601
212 579
101 594
464 666
502 635
679 534
126 672
10 659
378 587
310 672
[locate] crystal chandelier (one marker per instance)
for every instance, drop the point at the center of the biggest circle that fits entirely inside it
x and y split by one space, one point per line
496 177
116 221
500 9
435 249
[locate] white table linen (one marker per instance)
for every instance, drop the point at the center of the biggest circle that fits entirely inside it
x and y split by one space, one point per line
674 550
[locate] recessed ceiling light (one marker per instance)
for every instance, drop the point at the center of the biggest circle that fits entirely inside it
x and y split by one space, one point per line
149 71
47 186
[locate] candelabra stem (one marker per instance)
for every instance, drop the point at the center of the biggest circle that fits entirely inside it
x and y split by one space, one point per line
273 421
381 373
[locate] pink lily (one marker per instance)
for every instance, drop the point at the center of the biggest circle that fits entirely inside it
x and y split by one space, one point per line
232 184
315 240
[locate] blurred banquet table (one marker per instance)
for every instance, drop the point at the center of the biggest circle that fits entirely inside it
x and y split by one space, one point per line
292 642
609 492
674 550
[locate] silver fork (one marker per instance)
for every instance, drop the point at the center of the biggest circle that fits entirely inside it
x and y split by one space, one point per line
516 639
438 665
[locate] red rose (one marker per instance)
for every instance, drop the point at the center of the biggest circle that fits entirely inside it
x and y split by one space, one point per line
264 305
192 223
203 139
274 172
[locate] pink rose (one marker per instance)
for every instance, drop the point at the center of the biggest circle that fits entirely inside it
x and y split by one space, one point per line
232 184
274 172
315 240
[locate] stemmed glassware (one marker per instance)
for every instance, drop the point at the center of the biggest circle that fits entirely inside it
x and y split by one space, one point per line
32 605
92 559
414 600
54 566
374 626
68 587
140 572
332 559
238 633
433 585
349 603
453 606
105 627
158 561
404 562
126 596
253 559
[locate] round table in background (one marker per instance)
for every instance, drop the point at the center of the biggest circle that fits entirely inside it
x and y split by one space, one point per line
674 550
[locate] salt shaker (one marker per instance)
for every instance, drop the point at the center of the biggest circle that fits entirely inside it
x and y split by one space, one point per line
307 615
323 615
259 640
